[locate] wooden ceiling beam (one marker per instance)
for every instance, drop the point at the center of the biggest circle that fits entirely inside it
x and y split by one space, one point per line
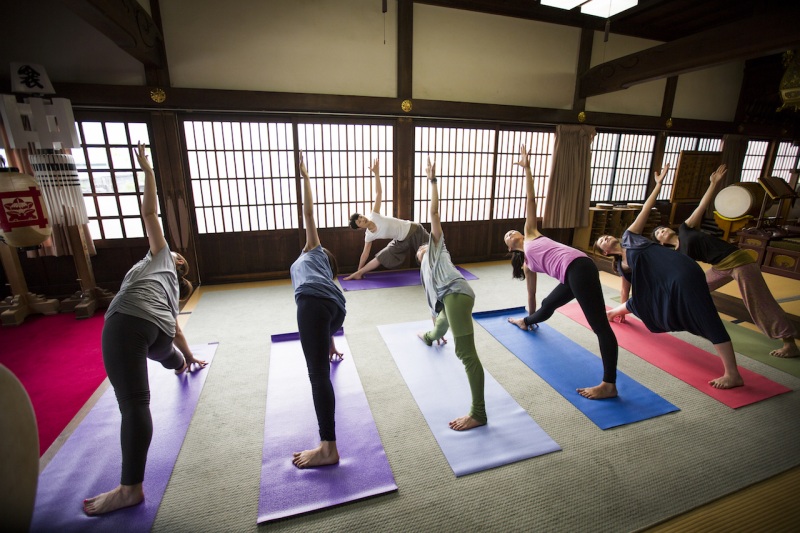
763 35
127 24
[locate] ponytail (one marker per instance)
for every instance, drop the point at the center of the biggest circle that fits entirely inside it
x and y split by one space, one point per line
616 259
185 289
333 262
517 262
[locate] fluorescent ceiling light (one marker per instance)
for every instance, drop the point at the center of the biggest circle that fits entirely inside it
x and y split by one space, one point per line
607 8
563 4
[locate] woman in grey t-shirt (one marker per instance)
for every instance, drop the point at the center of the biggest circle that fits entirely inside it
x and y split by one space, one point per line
139 325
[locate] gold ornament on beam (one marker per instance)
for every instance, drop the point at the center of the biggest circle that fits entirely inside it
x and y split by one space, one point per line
790 83
581 117
406 105
669 123
158 95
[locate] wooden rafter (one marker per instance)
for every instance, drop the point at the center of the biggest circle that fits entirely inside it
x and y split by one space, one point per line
127 24
746 39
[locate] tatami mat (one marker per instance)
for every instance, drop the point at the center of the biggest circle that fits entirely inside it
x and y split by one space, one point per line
624 479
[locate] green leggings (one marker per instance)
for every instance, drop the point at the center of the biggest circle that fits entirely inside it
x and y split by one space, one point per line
457 313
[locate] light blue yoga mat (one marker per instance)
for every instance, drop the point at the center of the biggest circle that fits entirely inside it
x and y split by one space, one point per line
438 383
567 366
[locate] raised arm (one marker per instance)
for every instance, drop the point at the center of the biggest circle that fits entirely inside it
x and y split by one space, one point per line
641 219
697 216
531 229
375 168
155 235
436 221
312 238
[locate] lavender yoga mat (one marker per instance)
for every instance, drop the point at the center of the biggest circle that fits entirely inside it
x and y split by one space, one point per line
290 425
438 382
89 462
390 278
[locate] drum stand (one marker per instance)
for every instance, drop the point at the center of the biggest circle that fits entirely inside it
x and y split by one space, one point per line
90 297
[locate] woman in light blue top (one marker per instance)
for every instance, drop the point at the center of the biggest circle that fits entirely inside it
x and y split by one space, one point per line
320 313
451 300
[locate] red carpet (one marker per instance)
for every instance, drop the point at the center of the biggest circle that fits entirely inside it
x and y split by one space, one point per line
59 362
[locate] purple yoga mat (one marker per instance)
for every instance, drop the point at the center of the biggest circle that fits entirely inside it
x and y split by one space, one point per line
89 462
290 425
438 382
390 278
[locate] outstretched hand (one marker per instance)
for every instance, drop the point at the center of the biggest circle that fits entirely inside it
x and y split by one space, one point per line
659 176
524 157
303 170
430 170
614 315
334 356
141 157
189 363
718 174
375 168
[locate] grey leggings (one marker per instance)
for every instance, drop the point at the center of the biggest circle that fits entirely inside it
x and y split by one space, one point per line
128 342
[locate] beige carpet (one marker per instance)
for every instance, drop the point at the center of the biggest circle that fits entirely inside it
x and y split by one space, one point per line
623 479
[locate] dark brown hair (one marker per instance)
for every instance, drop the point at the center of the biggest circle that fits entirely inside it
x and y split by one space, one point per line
332 260
353 219
616 259
517 262
185 289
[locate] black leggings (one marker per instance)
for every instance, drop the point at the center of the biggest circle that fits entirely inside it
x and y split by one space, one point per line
128 342
317 320
582 282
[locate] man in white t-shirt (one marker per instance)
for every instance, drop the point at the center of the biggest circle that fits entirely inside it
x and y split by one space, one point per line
406 236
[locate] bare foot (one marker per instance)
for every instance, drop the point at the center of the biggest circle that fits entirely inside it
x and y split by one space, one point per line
727 382
464 423
324 454
519 322
421 335
354 275
118 498
789 350
598 392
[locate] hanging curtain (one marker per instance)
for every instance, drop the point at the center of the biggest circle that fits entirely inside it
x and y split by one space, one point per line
734 148
567 204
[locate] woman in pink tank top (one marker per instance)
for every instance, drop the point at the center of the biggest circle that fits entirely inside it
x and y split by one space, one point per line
578 279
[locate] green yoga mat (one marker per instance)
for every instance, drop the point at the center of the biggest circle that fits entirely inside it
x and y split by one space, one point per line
756 345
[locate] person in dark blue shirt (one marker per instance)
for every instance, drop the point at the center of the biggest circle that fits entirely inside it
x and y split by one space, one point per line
669 290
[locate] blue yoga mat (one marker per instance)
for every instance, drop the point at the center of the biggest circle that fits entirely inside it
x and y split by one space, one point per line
438 382
567 366
90 461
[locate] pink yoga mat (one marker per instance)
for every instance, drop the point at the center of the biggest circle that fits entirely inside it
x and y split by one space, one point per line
685 361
